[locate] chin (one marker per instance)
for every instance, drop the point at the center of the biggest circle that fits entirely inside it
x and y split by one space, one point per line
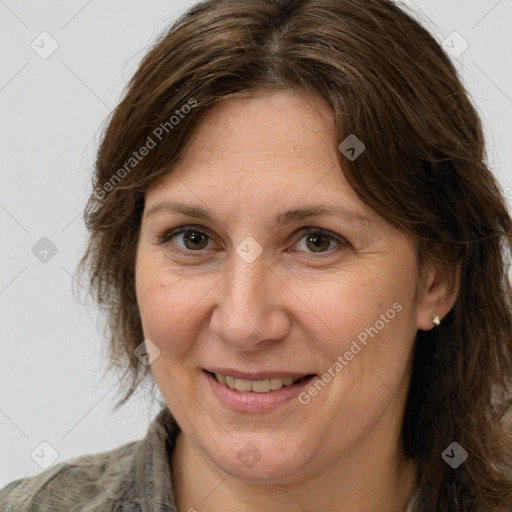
257 459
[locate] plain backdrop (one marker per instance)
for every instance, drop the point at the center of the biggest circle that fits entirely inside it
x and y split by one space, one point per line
52 111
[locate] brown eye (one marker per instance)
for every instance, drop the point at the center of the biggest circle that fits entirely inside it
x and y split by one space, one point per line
192 239
195 240
313 241
319 242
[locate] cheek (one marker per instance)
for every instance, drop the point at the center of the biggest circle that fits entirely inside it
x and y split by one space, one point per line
370 316
169 303
334 308
372 321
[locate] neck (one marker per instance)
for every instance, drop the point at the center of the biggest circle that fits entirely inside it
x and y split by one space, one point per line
373 479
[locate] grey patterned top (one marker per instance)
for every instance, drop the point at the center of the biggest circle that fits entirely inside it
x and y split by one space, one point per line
135 477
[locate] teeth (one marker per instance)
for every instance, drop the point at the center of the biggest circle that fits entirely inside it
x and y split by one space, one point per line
258 386
276 384
242 385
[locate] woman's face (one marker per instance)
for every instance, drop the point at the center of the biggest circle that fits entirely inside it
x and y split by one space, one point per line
261 288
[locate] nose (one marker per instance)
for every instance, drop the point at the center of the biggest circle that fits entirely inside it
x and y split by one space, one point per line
250 311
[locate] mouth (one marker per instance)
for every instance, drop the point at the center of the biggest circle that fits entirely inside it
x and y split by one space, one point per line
259 384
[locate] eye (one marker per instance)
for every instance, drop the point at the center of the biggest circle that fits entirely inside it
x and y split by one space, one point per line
318 241
190 239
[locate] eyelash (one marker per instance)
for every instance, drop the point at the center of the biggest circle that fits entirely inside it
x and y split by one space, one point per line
168 235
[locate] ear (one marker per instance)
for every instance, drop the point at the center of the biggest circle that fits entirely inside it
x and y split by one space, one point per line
438 294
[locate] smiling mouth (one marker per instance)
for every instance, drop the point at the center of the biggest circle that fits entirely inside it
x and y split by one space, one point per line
257 386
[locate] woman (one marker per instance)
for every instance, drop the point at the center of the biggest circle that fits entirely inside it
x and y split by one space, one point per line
294 233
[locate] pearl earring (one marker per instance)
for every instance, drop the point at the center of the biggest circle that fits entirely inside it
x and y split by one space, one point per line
436 320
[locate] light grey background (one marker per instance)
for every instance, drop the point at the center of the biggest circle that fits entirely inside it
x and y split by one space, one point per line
52 112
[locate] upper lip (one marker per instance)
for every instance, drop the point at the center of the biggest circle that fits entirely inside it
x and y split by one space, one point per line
237 374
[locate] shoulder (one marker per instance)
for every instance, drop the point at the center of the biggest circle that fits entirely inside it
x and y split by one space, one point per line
134 477
91 482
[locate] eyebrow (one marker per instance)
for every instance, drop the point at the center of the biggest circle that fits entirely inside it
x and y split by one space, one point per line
296 214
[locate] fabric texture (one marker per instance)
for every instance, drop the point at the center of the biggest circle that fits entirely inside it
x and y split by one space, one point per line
135 477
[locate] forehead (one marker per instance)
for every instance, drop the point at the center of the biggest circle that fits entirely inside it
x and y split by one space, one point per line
277 145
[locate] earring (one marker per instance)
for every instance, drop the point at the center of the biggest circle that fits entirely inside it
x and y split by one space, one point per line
436 320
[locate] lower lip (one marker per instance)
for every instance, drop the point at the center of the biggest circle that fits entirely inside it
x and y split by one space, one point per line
250 401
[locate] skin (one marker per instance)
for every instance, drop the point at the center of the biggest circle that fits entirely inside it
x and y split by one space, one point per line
293 308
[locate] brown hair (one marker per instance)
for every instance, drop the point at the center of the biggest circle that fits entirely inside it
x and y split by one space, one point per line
388 82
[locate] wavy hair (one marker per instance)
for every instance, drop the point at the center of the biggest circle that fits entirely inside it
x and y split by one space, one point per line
388 81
